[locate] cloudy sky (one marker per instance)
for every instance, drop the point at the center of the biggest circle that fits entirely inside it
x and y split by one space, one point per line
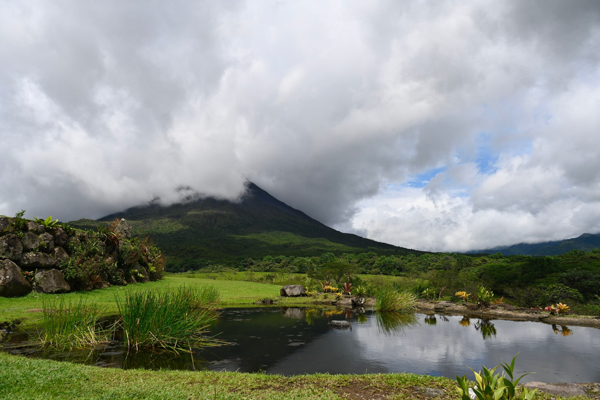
445 126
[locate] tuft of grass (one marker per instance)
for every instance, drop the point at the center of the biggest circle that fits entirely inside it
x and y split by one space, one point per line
71 324
391 300
174 319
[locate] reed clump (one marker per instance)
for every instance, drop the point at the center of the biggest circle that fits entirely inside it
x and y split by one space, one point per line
174 320
391 300
71 324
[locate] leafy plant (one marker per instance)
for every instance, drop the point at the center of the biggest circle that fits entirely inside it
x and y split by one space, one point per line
19 223
428 293
48 222
491 386
175 320
359 291
484 296
347 288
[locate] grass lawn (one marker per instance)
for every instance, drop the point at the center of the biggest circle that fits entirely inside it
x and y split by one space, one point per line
233 294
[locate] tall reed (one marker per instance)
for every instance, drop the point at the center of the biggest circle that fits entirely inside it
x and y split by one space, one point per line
391 300
71 325
175 319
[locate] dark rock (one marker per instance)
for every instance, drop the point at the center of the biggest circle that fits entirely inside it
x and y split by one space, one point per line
48 242
11 247
339 324
30 241
267 302
35 227
4 223
358 302
292 291
59 256
60 237
12 281
51 281
558 389
37 259
123 229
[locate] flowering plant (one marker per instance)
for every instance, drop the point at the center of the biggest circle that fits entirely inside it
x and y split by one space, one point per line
463 295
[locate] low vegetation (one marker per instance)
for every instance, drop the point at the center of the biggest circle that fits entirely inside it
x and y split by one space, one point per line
68 324
176 319
491 386
389 300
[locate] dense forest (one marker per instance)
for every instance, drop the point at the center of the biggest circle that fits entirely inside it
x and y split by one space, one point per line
524 280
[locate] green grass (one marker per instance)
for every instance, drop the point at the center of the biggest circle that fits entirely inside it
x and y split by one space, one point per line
232 294
70 324
174 320
23 378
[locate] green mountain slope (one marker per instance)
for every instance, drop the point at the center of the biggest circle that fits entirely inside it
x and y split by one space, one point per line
220 231
585 242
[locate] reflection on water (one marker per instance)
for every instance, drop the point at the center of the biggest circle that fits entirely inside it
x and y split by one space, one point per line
390 322
487 329
298 341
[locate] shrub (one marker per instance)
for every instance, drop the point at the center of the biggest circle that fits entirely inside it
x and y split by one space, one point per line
87 269
174 320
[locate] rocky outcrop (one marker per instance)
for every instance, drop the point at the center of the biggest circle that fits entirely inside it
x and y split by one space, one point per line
292 291
12 282
11 247
51 281
100 258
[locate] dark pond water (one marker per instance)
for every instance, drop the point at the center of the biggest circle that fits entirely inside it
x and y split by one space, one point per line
300 341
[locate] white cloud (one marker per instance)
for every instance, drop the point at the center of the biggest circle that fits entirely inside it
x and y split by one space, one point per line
108 105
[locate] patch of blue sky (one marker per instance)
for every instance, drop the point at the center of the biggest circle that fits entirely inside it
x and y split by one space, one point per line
421 180
486 157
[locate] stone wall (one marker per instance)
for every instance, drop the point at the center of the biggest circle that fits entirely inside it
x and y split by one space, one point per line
54 259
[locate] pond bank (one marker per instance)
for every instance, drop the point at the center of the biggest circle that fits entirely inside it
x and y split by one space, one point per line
508 312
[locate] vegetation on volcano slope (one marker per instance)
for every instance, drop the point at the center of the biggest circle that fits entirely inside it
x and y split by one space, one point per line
208 231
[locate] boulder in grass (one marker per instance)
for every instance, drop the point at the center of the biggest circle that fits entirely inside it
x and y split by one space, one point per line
12 281
292 291
51 281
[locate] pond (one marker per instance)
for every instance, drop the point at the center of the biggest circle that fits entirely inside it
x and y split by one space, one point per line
301 341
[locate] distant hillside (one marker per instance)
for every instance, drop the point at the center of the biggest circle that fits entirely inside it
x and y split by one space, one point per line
585 242
221 231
